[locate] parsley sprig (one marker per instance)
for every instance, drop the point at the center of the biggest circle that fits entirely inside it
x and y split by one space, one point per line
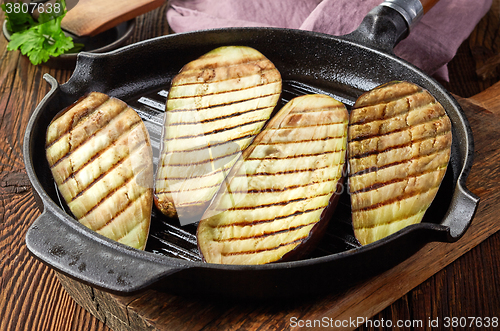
39 40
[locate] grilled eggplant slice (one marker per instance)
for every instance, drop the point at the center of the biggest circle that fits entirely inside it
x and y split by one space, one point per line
215 107
277 200
100 156
399 147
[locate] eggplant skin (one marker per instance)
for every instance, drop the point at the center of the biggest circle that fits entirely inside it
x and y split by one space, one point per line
216 106
399 148
278 198
101 159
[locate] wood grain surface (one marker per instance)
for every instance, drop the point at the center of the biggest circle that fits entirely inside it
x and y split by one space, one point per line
32 296
91 17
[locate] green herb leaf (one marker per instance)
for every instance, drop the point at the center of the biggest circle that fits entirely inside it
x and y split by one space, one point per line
45 17
17 22
42 40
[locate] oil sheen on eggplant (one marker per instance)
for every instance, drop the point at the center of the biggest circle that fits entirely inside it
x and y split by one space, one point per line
399 147
216 106
278 198
100 156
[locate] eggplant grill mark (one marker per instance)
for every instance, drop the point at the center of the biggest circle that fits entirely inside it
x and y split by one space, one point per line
191 163
76 120
132 127
259 72
377 135
213 173
365 136
387 223
298 241
199 176
281 203
112 144
110 193
406 112
384 116
396 199
222 92
375 168
96 180
268 234
241 61
83 119
217 131
286 188
215 119
210 145
288 157
301 141
73 148
394 181
393 99
129 204
297 213
189 190
287 172
335 109
262 64
306 126
410 143
223 104
126 234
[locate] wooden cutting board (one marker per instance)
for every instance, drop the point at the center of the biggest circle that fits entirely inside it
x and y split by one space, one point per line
154 310
91 17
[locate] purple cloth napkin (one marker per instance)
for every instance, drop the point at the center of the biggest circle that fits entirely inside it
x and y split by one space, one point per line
431 45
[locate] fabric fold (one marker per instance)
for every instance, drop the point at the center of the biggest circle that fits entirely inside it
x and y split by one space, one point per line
432 43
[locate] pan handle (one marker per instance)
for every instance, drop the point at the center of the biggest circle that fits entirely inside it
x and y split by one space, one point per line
462 210
70 248
389 23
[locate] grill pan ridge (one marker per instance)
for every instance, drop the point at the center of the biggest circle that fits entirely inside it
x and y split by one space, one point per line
309 63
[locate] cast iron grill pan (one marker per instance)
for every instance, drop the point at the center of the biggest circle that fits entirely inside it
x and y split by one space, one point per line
140 74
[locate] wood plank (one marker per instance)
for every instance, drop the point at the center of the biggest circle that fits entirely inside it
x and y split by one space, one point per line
485 45
488 99
91 17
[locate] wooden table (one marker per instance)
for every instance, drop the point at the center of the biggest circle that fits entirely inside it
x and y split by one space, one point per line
460 280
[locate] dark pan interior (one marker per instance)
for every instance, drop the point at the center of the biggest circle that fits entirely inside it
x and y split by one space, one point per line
309 63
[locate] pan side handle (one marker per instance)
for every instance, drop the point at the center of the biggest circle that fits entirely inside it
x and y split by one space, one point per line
389 23
96 261
462 211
